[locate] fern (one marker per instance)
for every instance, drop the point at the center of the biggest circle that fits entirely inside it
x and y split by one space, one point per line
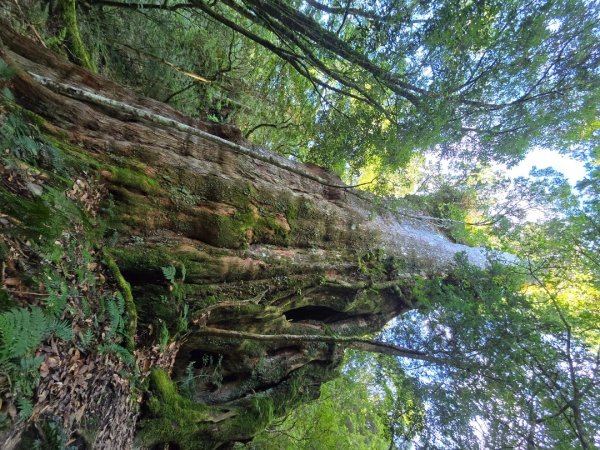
22 331
164 336
25 374
62 330
25 408
87 338
16 136
115 308
6 93
55 436
169 273
55 303
187 385
183 319
124 355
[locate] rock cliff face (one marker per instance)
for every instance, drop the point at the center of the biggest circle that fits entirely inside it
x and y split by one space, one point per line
210 232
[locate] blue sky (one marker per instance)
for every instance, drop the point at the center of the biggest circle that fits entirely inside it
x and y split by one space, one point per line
541 158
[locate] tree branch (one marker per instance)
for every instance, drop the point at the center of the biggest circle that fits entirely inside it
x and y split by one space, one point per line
353 342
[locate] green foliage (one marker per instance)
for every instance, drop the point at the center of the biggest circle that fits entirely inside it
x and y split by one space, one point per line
54 436
6 73
176 297
58 293
164 336
169 273
87 338
62 330
121 352
114 309
173 418
25 408
502 348
347 415
124 304
370 87
22 331
187 384
20 141
25 373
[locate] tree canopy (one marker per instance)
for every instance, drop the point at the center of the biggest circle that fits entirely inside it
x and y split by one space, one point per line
383 80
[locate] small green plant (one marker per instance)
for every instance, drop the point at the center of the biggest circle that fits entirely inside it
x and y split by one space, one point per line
22 330
25 408
216 376
121 352
6 71
169 273
54 436
58 293
177 295
164 336
87 338
55 42
19 140
184 319
114 310
187 385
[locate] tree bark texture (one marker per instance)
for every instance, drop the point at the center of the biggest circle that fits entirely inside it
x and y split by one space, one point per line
268 246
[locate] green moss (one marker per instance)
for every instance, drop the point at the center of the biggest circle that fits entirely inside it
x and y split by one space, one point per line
373 264
228 231
125 172
261 409
130 308
142 256
366 301
252 348
146 261
75 157
254 418
174 419
69 17
133 179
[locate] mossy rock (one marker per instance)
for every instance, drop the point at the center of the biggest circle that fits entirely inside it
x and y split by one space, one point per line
173 418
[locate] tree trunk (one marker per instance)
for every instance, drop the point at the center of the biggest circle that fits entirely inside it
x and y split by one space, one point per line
266 246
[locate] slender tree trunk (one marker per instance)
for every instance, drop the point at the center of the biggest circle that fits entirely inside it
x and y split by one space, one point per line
267 246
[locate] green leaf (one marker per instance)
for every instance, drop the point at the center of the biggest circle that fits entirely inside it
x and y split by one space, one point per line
169 273
25 408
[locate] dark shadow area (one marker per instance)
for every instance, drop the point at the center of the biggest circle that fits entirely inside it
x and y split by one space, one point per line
316 313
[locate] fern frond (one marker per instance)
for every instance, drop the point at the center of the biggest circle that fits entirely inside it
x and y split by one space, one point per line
87 338
55 303
169 273
22 331
25 408
27 375
124 355
115 310
62 330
